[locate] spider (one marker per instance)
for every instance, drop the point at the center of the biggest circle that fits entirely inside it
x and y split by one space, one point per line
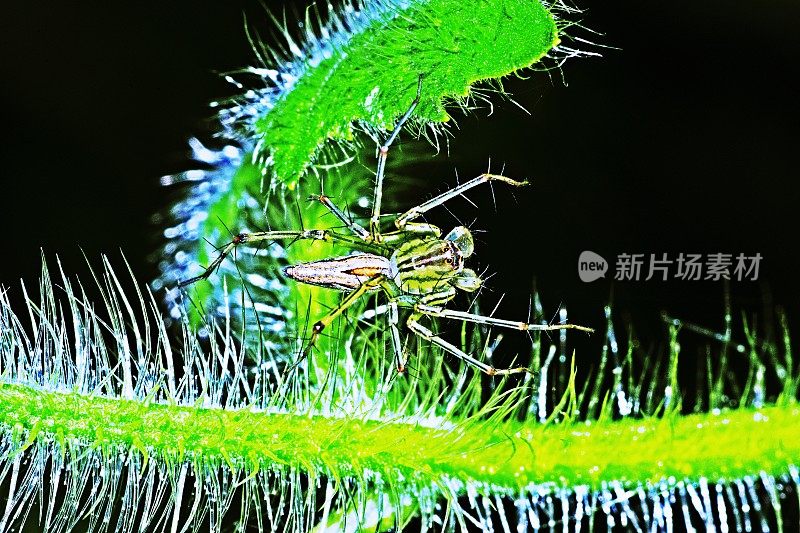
413 265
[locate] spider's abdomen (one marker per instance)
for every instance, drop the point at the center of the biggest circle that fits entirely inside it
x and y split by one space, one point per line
422 266
343 273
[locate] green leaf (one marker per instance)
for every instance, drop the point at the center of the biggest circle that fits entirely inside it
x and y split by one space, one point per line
366 73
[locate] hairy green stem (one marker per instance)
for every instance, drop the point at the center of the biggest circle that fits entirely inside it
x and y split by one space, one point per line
510 455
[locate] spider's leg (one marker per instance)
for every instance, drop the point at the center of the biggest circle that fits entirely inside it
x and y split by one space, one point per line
402 221
353 226
414 325
320 325
242 238
441 312
419 229
400 358
383 152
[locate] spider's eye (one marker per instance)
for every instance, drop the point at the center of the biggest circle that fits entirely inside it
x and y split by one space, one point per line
462 238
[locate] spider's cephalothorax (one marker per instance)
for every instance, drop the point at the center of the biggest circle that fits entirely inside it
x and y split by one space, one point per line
413 265
424 266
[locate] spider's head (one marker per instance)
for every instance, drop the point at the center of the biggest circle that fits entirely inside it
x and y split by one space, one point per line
466 279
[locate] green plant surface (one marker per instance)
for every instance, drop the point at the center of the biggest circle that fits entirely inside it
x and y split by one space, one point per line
510 455
223 217
371 77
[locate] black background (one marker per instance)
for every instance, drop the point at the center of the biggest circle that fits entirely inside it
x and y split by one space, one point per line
682 138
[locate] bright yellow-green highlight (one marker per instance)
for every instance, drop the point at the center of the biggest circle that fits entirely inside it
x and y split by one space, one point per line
725 446
372 77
